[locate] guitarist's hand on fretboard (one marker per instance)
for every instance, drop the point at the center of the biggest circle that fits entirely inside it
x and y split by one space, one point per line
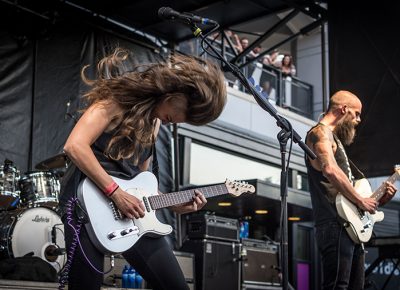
198 202
390 190
129 205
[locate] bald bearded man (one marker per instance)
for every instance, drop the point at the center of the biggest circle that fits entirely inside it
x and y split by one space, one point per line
329 174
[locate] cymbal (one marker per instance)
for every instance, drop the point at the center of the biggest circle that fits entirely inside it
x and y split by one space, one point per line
57 161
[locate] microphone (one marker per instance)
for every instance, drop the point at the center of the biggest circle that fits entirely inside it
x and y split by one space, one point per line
52 251
170 14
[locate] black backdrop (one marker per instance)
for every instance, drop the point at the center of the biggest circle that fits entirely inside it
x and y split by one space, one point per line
365 58
39 76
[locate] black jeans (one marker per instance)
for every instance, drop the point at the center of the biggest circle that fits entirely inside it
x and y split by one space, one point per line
151 257
342 259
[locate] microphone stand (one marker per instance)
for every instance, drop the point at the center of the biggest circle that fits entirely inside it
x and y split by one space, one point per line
284 135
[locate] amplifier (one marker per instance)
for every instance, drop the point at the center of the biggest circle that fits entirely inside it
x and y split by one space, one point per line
209 226
260 262
186 262
217 264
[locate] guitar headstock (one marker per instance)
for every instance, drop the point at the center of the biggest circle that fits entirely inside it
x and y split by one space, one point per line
396 168
236 188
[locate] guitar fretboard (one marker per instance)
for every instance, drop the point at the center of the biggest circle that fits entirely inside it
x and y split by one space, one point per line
382 189
179 197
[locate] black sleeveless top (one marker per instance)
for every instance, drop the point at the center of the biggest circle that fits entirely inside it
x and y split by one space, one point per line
124 169
323 194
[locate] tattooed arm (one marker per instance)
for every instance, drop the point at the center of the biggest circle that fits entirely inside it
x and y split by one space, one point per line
320 140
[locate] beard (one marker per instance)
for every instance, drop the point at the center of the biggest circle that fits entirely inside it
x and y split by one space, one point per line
346 131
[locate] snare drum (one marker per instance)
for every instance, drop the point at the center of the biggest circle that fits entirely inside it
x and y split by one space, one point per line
39 186
37 230
9 177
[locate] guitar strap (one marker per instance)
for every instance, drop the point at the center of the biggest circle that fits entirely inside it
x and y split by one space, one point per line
357 173
354 172
341 148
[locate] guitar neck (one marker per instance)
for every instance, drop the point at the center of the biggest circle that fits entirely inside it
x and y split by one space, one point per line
179 197
382 189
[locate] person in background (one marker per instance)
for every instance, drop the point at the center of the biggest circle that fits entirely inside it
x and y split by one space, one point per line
288 70
272 59
287 66
116 137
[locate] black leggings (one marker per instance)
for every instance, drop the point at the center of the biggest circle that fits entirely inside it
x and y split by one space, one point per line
151 257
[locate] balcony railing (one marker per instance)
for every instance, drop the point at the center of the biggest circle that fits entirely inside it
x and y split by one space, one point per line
287 92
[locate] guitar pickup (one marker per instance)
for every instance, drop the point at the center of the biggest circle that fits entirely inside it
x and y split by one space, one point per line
121 233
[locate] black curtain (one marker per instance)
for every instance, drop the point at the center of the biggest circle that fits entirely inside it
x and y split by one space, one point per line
364 58
16 88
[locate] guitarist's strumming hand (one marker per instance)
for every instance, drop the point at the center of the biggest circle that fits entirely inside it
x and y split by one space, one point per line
198 202
129 205
390 190
367 204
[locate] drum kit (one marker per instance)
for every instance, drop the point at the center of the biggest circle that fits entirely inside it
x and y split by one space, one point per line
29 223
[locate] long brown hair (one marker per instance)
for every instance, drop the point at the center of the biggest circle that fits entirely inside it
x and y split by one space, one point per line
139 92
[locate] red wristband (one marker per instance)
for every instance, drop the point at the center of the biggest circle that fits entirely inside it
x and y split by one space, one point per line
110 189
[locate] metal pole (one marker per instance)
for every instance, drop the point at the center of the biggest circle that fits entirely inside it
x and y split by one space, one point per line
323 61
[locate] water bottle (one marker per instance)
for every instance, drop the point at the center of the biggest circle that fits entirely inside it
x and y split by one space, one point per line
131 278
244 230
125 277
139 281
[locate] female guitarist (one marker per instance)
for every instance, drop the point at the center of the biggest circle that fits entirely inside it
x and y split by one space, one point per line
116 136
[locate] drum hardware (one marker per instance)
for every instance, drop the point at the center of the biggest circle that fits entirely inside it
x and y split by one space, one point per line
9 177
9 190
54 162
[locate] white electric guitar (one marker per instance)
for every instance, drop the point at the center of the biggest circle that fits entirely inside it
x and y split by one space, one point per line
113 233
359 223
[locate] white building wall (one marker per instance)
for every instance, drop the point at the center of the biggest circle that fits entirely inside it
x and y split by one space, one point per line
243 111
309 66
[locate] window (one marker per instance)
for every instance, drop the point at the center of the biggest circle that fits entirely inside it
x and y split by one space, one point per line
210 165
302 181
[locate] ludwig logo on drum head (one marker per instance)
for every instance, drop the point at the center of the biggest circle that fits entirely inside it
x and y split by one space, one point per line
41 219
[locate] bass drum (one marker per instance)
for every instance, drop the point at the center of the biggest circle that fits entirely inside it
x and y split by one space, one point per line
38 231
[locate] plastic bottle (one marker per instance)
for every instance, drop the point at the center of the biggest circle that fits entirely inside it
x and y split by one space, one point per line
139 281
125 277
131 278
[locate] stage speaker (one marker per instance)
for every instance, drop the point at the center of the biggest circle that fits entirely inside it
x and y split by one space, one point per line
186 262
217 264
259 262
